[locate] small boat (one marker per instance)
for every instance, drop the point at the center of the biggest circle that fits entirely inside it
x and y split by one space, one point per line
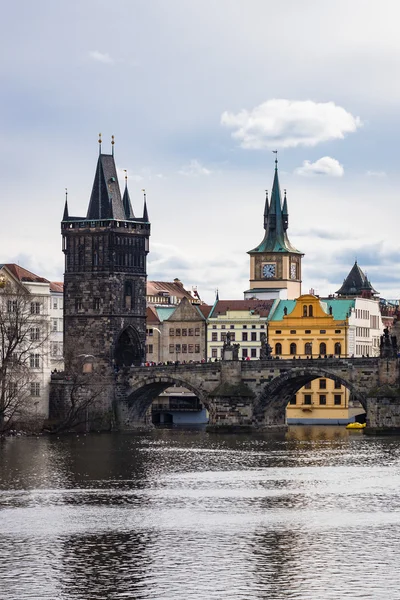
355 425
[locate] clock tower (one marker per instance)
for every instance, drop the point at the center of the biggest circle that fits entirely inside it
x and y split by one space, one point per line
275 265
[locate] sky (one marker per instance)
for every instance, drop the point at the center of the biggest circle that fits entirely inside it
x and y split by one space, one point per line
197 95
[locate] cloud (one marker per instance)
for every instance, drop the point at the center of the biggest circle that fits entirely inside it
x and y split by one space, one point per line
194 168
323 166
101 57
287 124
323 234
378 174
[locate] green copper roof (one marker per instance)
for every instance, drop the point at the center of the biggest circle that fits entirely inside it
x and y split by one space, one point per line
164 312
340 308
276 223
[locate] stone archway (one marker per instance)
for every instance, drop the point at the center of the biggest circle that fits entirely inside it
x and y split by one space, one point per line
128 349
270 406
137 400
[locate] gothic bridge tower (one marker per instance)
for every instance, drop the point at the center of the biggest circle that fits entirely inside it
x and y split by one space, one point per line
275 264
105 275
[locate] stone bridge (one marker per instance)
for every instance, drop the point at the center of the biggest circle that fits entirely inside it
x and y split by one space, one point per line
254 394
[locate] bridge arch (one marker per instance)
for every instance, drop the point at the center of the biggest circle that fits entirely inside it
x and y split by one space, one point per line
276 394
140 396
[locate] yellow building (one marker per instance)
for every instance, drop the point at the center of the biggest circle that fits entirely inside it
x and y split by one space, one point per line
310 327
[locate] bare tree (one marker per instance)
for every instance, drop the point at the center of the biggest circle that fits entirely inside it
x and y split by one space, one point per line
23 342
78 397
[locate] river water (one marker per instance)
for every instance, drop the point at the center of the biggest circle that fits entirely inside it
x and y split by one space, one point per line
313 514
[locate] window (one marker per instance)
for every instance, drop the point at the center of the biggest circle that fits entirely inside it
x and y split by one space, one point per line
171 348
197 348
278 332
56 348
35 308
184 348
35 334
337 399
278 349
34 361
338 331
253 326
191 348
244 336
322 331
293 331
150 348
307 399
177 348
253 353
308 385
96 303
213 352
54 324
35 389
178 332
308 331
55 302
254 336
244 326
292 400
308 349
322 348
310 310
244 353
223 336
197 331
233 336
190 331
338 348
128 294
322 400
231 326
322 384
78 303
293 349
184 332
12 306
222 326
304 311
214 336
171 331
214 327
338 385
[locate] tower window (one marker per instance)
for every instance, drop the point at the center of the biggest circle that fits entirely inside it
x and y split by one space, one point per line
96 303
128 295
78 304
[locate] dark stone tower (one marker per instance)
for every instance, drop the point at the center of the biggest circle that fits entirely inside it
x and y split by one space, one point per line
105 276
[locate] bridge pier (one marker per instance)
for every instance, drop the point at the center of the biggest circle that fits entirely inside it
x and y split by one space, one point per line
383 402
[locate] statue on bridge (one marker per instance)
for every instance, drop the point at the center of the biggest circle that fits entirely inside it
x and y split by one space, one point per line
388 345
230 351
266 349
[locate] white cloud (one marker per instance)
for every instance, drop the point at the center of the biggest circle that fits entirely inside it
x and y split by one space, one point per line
287 124
194 168
323 166
376 174
101 57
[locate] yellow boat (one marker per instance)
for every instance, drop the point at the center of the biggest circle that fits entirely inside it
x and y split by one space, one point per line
355 425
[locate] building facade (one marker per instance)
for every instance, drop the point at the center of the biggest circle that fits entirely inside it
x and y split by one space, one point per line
275 264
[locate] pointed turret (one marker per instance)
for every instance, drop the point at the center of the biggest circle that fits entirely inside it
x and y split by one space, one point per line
276 224
126 201
357 284
145 213
266 210
106 196
65 215
285 213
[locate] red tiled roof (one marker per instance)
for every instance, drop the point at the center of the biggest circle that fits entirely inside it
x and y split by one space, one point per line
56 286
24 275
204 309
261 307
151 315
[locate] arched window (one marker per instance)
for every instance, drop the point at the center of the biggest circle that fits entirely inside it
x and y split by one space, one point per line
308 349
278 349
310 310
305 310
322 349
128 295
338 348
293 349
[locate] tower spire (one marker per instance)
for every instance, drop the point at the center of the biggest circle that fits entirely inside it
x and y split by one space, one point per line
65 216
145 213
126 201
99 143
266 210
112 145
285 214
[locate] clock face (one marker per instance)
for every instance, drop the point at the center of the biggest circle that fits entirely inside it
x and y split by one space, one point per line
293 271
269 270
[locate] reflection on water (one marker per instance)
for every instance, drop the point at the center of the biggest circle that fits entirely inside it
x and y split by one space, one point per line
309 514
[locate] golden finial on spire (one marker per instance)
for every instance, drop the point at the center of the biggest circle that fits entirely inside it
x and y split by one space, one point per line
112 144
99 143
